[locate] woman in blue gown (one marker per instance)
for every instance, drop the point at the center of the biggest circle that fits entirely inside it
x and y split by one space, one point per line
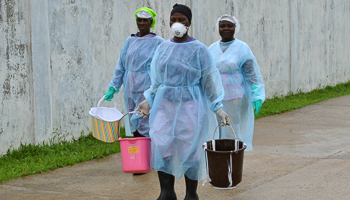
241 79
185 86
133 70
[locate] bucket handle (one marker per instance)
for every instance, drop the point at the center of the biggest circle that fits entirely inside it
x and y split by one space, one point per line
220 134
115 106
207 178
102 99
132 112
236 138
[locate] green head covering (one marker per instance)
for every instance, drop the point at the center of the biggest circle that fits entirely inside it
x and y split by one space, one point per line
150 11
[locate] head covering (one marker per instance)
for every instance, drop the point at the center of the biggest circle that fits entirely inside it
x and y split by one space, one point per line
229 18
183 9
146 13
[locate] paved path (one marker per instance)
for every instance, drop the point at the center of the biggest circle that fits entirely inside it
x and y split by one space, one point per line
302 154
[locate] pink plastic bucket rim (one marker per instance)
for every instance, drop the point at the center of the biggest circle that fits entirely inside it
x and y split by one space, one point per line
139 138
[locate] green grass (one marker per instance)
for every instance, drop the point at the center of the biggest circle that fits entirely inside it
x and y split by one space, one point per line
279 105
31 159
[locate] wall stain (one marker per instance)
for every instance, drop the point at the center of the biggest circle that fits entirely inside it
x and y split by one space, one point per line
262 22
7 88
79 60
108 16
10 10
15 83
148 4
74 10
15 53
231 8
1 20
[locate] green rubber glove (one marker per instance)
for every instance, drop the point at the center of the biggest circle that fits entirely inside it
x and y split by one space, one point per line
110 94
257 106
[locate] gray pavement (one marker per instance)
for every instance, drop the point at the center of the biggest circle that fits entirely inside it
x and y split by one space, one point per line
301 154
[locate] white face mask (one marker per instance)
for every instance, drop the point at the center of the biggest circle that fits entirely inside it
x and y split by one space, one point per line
178 29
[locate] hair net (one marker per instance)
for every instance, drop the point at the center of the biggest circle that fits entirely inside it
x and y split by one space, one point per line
142 13
229 18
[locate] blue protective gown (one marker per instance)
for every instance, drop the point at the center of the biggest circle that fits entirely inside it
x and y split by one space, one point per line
185 84
239 70
133 71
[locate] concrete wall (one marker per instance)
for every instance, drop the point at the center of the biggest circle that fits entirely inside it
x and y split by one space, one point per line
57 57
16 75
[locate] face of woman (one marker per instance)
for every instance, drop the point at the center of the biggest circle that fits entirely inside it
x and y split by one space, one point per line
144 25
179 17
226 30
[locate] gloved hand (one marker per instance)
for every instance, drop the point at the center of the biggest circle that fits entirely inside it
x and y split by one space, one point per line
257 106
143 108
110 94
220 113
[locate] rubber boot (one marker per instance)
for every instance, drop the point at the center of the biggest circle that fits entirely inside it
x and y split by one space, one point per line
137 134
167 182
191 189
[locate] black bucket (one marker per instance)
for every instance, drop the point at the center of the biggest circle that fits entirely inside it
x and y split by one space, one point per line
224 159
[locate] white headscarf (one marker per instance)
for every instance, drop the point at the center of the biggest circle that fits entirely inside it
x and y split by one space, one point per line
229 18
144 14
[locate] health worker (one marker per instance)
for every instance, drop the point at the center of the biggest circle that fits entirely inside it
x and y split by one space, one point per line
241 79
185 85
133 70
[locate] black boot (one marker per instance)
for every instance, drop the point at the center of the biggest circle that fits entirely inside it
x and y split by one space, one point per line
191 189
167 191
137 134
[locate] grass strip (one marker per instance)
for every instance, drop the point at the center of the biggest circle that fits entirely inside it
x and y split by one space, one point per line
283 104
31 159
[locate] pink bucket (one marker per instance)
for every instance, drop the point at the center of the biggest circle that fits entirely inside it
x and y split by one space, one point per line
135 154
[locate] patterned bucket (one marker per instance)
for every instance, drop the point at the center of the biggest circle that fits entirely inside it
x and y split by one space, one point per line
105 131
105 122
